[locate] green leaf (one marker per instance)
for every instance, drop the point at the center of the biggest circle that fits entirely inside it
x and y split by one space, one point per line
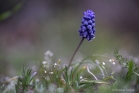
5 15
136 73
130 70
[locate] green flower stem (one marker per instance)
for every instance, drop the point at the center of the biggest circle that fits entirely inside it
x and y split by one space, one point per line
75 51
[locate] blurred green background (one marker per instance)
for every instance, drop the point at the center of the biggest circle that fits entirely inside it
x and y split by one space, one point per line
28 28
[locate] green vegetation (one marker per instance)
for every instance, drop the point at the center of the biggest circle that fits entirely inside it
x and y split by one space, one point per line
78 78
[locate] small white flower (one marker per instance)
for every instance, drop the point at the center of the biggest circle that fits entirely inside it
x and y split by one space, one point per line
81 77
113 63
48 53
44 62
37 80
103 63
51 72
110 60
97 61
55 64
45 71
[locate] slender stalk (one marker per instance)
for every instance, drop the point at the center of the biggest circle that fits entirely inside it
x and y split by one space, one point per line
91 73
75 51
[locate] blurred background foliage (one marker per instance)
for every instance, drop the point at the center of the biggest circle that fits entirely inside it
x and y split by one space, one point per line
28 28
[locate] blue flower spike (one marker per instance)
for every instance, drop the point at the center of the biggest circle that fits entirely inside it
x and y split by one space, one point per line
87 29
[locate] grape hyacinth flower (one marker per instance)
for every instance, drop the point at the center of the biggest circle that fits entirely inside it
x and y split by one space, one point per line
87 29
